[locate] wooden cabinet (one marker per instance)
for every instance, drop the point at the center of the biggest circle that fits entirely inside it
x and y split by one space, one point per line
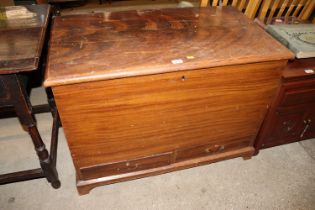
142 93
291 117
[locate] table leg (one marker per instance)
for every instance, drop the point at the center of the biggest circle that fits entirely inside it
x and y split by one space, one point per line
23 109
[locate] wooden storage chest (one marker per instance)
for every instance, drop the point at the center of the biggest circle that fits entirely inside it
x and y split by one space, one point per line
148 92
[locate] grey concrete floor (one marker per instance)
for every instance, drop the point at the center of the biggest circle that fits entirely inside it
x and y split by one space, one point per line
278 178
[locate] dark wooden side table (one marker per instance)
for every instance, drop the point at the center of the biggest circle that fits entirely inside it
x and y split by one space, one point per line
22 37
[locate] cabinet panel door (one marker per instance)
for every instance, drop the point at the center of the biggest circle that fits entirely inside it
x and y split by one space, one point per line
3 91
287 126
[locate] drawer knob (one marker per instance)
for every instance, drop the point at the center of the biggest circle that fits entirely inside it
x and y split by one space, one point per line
132 166
208 150
214 149
222 147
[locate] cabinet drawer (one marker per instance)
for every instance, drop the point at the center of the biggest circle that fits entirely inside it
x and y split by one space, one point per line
126 166
295 97
210 149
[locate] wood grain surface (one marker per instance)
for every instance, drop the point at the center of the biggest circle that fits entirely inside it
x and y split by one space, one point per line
22 33
113 45
205 112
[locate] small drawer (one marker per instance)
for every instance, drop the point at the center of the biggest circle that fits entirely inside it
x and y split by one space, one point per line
126 166
296 97
210 149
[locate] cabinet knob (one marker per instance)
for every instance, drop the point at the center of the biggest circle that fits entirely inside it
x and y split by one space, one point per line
308 121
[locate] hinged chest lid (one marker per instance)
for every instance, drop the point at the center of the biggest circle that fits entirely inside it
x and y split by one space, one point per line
114 45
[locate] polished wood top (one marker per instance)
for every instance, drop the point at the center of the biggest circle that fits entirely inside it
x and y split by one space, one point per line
22 32
122 44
